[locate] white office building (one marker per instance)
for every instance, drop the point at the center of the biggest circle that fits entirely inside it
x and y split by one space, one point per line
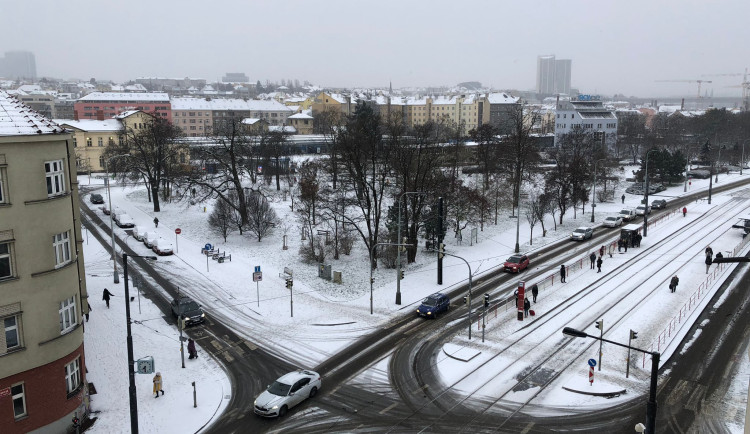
586 113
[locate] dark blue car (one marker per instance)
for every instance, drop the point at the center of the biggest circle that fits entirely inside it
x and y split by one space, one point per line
434 305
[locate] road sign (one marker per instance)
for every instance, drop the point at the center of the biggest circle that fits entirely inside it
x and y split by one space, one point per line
178 231
257 268
257 276
208 246
591 375
592 362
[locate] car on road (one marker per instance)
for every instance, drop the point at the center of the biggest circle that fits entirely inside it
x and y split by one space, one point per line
516 263
124 220
189 309
96 198
659 204
581 234
613 221
286 392
643 210
627 214
162 247
433 305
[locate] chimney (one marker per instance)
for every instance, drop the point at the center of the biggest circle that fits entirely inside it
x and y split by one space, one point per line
682 104
100 115
75 115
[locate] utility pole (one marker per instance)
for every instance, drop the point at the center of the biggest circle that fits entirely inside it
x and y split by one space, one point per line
440 241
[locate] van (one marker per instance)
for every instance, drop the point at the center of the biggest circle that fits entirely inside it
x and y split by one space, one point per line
149 238
162 247
627 214
138 233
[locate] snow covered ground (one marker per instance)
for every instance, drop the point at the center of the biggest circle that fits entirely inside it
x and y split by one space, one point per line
326 315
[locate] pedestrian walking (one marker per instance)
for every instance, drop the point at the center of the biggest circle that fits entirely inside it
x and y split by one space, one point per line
602 250
105 296
158 387
562 273
156 222
599 265
625 244
673 284
638 239
619 245
623 198
709 261
534 292
592 258
709 251
191 349
88 310
684 211
516 294
526 307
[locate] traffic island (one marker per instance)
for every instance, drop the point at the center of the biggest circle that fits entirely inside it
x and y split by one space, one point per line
463 354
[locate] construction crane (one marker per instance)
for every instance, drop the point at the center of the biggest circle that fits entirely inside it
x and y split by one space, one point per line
687 81
745 85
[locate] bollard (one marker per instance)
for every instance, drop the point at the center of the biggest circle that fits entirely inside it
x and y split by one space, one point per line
195 397
204 209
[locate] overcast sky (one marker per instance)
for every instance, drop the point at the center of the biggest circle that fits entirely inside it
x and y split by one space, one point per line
616 46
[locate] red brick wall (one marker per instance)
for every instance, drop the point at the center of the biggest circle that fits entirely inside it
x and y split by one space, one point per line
46 396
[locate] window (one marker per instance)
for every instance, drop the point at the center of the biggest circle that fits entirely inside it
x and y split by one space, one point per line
68 319
12 337
111 141
88 141
2 192
61 243
6 270
75 142
73 376
19 400
55 177
100 142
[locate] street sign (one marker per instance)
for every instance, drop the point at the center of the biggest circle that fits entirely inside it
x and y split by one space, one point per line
591 375
5 392
592 362
208 246
257 268
178 231
257 276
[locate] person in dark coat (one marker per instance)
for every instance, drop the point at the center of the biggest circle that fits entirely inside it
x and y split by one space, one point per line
592 258
719 255
599 265
619 245
562 273
623 198
156 222
526 307
709 251
88 310
534 292
602 249
673 284
684 211
625 244
709 261
638 239
105 296
191 349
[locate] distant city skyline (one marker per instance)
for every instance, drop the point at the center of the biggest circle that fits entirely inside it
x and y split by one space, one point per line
617 47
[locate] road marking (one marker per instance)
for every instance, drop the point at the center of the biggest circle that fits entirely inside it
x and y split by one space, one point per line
528 428
696 397
250 346
385 410
216 344
228 357
420 389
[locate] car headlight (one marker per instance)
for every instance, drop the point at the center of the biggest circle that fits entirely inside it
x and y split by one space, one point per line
203 315
429 313
418 311
255 402
274 407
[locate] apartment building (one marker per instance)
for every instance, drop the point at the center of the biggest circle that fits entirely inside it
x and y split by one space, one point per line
198 116
104 105
302 123
42 285
586 114
90 140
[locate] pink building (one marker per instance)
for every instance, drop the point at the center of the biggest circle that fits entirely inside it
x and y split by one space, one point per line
104 105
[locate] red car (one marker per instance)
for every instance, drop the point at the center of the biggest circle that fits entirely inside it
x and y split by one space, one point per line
516 263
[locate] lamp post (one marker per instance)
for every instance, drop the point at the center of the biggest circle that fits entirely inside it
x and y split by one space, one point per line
398 255
131 362
645 211
718 164
111 223
687 167
372 280
651 404
593 190
742 161
469 315
518 216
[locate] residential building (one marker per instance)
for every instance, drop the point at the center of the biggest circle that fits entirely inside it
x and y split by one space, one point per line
235 77
301 122
90 139
587 114
104 105
499 109
197 116
326 101
160 84
42 102
553 75
18 64
42 278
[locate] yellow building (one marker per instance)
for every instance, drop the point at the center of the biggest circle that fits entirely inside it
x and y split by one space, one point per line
90 139
302 122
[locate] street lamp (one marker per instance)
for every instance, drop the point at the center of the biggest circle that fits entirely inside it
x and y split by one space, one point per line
718 163
645 211
651 404
468 316
111 223
687 167
742 162
518 216
131 362
398 255
593 189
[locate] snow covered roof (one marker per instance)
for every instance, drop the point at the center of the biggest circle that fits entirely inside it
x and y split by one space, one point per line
300 116
282 129
250 121
123 96
501 98
187 103
125 114
18 119
92 125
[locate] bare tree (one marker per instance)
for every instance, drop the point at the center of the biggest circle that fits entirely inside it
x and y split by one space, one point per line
532 215
261 217
220 219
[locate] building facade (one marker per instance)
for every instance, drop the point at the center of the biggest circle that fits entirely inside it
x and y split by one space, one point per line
18 64
197 116
588 115
42 362
553 75
104 105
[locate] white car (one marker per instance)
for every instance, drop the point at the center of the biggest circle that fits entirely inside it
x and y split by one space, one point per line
162 247
613 221
138 233
642 210
286 392
124 220
582 234
149 238
627 214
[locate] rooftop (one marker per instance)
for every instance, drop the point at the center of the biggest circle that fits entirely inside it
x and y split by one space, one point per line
126 97
18 119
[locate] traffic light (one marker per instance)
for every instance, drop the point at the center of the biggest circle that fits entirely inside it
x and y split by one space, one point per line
633 335
441 250
402 275
372 280
600 324
289 283
486 300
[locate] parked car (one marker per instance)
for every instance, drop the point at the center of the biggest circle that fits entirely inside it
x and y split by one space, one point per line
434 305
581 234
149 238
189 309
613 221
115 210
105 209
162 247
138 233
286 392
516 263
659 204
627 214
643 210
124 220
96 198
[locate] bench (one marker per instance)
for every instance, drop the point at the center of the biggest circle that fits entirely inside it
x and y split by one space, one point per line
220 258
